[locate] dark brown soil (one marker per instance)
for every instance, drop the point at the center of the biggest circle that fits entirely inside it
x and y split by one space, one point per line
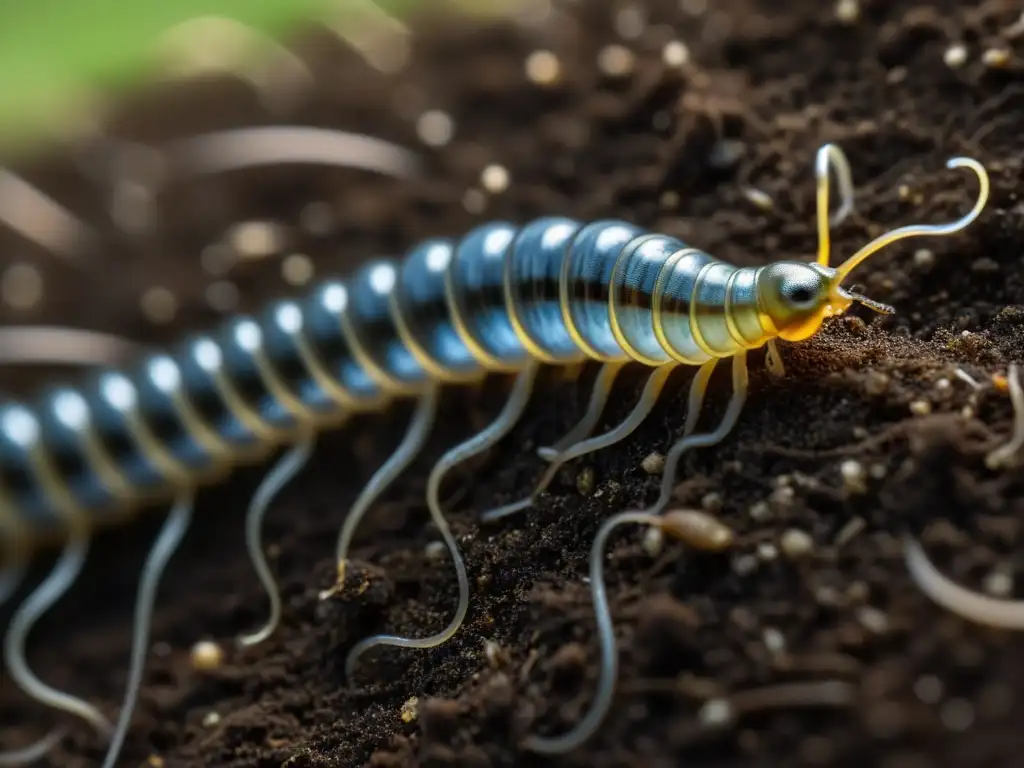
776 79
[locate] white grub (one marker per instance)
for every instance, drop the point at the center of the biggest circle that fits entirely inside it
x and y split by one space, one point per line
676 54
955 56
796 544
159 305
971 606
297 269
206 656
435 128
653 463
758 198
21 286
1006 454
495 179
854 476
616 60
848 11
543 68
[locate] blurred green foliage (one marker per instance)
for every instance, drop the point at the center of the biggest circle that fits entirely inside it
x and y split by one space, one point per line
53 51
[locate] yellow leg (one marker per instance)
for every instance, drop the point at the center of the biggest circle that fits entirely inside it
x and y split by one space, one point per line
598 399
501 426
773 361
732 414
648 399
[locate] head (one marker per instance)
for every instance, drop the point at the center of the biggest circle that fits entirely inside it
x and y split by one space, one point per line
795 298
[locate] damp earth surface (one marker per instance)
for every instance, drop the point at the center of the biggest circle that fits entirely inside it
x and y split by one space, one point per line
699 120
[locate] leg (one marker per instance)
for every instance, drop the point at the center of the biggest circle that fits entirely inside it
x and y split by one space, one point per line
500 427
167 542
773 361
598 398
39 602
694 529
648 399
732 415
283 472
412 443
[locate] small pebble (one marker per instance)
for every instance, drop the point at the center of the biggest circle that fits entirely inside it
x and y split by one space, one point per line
410 710
957 714
435 550
653 463
995 58
256 239
585 481
21 286
616 60
758 198
767 551
711 502
159 305
435 128
998 583
873 619
206 656
796 543
474 201
744 565
848 11
854 475
716 713
924 258
496 655
222 296
920 407
955 56
676 54
929 689
495 179
774 640
211 720
297 269
653 541
760 510
543 68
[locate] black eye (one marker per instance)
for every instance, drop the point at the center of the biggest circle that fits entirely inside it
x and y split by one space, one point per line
801 294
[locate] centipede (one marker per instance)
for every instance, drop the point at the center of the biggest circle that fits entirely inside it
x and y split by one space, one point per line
502 300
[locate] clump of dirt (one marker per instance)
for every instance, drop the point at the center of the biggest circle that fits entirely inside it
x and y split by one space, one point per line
717 150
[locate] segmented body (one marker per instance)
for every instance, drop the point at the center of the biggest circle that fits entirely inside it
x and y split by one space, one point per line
555 290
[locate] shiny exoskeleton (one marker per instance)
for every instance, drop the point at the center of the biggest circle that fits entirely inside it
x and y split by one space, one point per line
555 290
